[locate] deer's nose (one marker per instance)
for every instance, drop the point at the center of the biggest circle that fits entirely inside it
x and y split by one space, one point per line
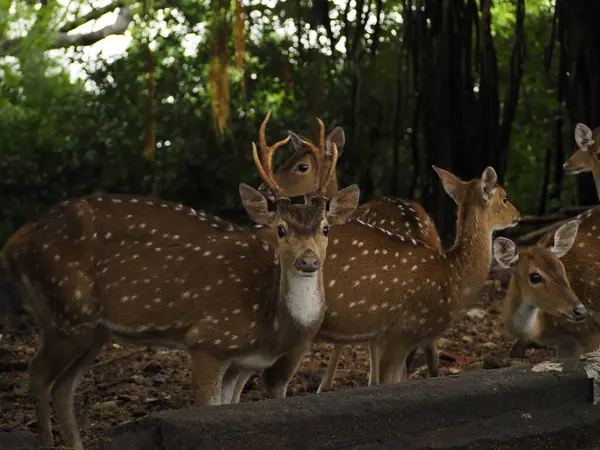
308 262
580 312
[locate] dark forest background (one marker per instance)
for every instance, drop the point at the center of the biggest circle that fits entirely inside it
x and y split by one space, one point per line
457 83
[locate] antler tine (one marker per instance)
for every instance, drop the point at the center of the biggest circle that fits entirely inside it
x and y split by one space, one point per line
262 138
264 174
327 179
321 137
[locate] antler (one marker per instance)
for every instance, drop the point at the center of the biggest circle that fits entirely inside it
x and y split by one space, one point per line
321 182
266 172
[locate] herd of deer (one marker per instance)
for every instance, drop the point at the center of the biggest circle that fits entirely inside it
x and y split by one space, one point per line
147 271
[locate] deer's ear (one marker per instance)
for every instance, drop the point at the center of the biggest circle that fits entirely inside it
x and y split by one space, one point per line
564 238
296 141
256 205
336 137
505 252
452 184
489 179
583 135
342 205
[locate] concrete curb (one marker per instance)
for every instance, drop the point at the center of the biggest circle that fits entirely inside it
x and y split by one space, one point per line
523 407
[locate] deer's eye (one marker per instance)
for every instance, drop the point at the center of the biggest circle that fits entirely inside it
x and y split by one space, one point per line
504 200
535 278
302 167
280 231
326 230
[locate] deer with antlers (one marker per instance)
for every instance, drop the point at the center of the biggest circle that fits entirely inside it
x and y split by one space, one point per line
400 292
148 271
539 294
297 175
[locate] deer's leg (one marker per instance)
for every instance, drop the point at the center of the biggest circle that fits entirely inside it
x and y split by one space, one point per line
393 361
433 359
409 360
332 363
374 357
207 377
55 355
233 383
64 390
277 377
239 386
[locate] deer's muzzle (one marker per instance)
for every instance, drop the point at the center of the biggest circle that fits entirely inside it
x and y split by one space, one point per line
308 262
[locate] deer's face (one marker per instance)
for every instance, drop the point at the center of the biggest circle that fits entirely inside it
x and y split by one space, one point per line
539 274
501 213
301 237
296 176
583 160
300 231
587 156
543 281
488 200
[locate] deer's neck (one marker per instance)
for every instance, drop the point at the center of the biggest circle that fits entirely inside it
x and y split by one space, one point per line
596 173
521 314
303 298
470 257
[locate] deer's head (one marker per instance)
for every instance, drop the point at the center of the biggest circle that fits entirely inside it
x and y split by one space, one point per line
298 175
540 275
587 156
484 195
300 231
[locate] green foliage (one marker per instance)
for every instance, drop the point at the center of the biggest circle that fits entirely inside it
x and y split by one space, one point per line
62 138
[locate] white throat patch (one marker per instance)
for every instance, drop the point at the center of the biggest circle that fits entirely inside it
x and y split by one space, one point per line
525 317
304 300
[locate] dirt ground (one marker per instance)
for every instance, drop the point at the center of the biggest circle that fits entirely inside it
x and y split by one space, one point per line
129 382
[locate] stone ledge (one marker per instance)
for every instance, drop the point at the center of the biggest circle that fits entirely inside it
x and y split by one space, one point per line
509 408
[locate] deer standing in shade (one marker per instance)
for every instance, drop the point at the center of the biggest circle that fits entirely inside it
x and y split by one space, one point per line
147 271
296 177
401 292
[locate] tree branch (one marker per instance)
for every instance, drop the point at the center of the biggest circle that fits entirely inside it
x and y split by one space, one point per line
92 15
60 39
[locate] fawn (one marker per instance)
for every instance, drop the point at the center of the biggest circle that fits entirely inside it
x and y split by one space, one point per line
296 176
148 271
401 292
539 293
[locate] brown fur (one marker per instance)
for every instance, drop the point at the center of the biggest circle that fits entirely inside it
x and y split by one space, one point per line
418 288
153 272
399 216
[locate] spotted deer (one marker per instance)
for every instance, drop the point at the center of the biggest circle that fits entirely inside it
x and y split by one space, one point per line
540 296
570 338
147 271
296 176
402 292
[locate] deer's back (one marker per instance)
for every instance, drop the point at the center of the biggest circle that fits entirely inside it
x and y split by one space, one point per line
139 263
401 217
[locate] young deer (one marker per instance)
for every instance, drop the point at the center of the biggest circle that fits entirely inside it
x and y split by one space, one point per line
296 176
570 338
587 156
401 292
540 296
152 272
